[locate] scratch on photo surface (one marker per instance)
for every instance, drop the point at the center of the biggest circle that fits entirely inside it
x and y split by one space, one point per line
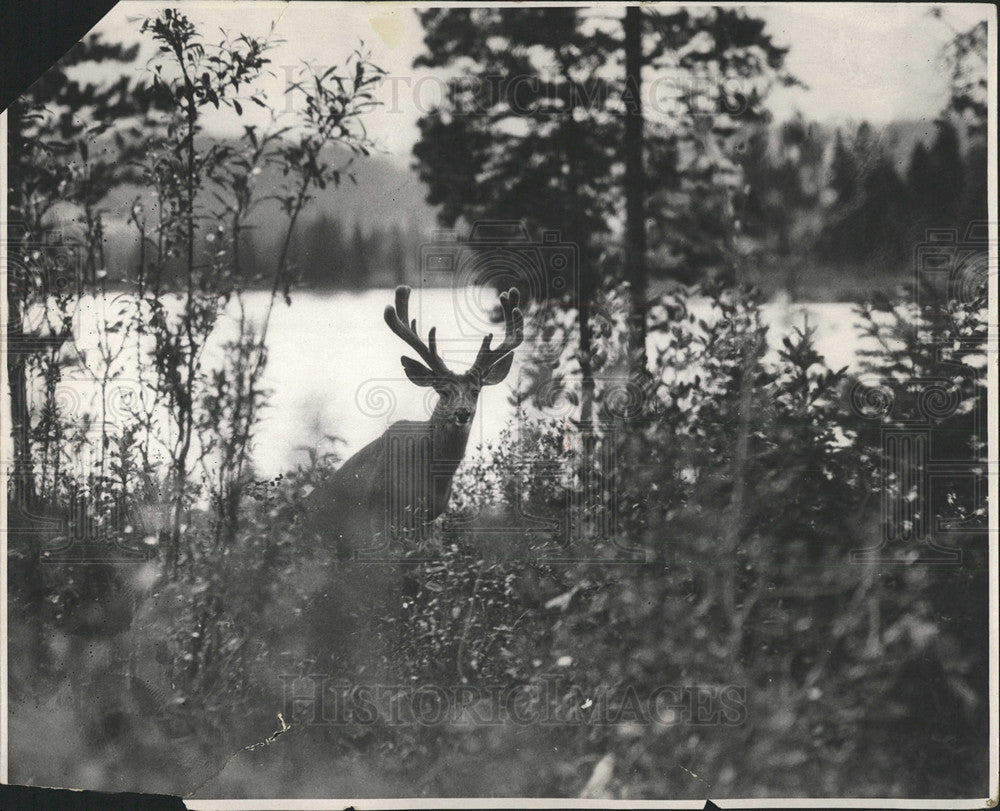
248 748
696 777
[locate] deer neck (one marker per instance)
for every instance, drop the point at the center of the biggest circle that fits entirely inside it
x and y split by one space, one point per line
448 440
448 443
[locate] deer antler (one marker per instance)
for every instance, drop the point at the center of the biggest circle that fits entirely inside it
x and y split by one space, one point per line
513 333
399 322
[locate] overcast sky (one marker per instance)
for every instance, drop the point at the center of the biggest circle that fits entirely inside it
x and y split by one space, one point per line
874 61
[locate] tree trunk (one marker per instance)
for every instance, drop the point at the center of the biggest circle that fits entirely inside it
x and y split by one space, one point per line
22 484
22 490
25 574
578 233
635 214
587 386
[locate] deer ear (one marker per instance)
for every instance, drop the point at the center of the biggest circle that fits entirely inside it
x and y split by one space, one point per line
499 370
419 374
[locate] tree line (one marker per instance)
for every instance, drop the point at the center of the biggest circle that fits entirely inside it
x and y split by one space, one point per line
842 199
327 254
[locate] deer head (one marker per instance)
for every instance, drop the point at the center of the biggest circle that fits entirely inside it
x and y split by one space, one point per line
459 393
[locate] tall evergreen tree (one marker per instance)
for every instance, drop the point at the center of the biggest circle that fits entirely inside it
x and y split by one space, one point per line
949 171
322 256
920 184
635 189
727 63
966 56
397 255
844 171
868 221
358 268
785 174
541 142
880 231
936 181
536 144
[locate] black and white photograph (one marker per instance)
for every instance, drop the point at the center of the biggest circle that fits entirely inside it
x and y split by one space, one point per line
526 404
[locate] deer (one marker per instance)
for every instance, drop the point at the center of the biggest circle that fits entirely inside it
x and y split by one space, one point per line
398 484
402 480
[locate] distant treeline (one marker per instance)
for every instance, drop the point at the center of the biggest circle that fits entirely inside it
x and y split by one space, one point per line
324 253
811 194
853 196
328 254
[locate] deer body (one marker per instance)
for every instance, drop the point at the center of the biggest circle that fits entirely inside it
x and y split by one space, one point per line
353 508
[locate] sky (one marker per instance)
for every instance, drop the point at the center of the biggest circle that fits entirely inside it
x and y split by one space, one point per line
858 61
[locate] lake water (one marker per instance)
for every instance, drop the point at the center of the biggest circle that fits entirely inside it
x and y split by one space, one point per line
334 365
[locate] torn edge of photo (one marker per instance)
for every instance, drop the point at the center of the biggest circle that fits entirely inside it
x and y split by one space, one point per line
529 405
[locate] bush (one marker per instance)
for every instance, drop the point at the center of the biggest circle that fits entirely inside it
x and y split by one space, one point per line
734 591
